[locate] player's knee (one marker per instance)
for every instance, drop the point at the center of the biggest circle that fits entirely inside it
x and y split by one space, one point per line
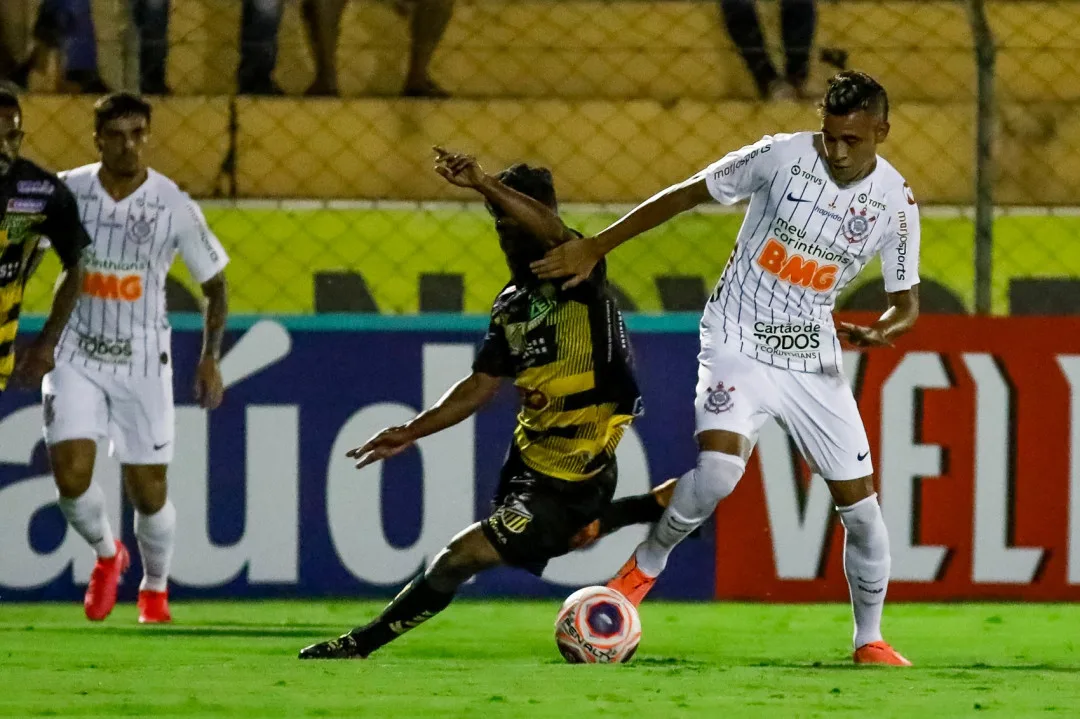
73 470
467 554
146 488
717 476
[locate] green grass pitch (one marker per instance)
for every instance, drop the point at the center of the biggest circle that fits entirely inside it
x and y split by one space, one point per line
497 659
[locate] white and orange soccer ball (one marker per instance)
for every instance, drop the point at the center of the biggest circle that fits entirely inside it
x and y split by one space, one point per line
597 625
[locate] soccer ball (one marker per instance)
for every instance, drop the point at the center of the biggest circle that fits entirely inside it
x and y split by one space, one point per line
597 625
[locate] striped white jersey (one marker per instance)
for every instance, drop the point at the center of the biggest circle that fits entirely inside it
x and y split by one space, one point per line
804 238
120 325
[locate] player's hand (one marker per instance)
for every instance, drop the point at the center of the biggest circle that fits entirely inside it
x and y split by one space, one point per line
34 363
391 442
209 389
458 169
860 336
575 258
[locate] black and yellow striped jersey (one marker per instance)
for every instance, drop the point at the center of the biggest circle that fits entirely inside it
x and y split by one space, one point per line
569 355
34 203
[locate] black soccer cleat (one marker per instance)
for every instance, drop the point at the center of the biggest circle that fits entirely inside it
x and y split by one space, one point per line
344 647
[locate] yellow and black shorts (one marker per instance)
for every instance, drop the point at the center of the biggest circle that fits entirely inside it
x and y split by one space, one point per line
534 516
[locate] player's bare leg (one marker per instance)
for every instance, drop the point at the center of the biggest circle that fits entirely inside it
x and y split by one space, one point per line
155 530
83 505
721 462
640 509
469 553
866 564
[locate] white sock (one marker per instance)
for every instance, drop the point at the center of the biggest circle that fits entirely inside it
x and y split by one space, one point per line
86 515
866 564
695 497
156 534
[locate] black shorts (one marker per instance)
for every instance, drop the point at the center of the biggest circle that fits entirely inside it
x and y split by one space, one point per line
534 516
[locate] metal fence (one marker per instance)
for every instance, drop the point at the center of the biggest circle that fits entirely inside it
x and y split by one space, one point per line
329 203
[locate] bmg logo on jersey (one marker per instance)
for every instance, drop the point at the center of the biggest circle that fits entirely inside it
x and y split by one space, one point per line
796 269
108 286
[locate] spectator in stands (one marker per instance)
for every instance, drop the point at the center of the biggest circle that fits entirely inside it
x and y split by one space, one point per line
259 24
427 24
67 26
797 20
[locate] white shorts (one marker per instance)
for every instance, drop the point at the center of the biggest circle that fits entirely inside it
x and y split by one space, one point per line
738 394
136 413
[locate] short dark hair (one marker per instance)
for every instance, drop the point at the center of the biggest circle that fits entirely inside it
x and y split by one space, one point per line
119 104
520 248
852 90
536 182
9 100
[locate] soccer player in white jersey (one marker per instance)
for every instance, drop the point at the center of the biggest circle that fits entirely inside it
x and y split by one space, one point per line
822 204
113 375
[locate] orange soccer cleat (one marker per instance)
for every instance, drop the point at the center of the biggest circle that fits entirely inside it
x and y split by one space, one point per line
101 591
879 653
154 607
631 582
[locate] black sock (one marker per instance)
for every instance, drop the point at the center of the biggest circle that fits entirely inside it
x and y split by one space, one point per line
639 509
413 606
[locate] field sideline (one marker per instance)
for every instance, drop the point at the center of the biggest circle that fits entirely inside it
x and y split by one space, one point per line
497 659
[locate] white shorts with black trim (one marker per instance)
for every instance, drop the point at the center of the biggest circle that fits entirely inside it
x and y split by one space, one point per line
135 413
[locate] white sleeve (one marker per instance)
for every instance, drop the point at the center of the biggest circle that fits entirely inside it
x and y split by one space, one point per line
900 249
739 174
200 249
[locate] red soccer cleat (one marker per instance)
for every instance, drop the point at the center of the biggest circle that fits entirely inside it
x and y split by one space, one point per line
879 653
101 591
631 582
154 607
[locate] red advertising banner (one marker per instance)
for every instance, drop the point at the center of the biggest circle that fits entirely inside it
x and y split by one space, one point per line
974 427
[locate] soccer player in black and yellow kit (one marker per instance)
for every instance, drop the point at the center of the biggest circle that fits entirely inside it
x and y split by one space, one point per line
34 204
568 355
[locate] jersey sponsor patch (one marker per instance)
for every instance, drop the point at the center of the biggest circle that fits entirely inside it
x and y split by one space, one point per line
110 286
25 206
35 187
794 340
102 349
795 269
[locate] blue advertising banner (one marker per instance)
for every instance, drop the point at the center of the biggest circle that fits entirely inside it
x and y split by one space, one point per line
269 506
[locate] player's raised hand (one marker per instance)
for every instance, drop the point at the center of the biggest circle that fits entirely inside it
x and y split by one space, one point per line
390 442
34 363
860 336
575 258
458 169
209 388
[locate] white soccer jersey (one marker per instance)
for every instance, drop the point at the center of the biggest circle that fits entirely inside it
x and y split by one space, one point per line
803 240
120 324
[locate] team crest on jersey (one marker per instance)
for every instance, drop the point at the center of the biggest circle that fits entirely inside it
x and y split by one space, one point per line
857 227
140 229
718 399
515 519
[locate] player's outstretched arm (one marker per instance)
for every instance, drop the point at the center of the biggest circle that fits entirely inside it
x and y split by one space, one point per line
460 402
209 389
579 257
898 319
538 220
